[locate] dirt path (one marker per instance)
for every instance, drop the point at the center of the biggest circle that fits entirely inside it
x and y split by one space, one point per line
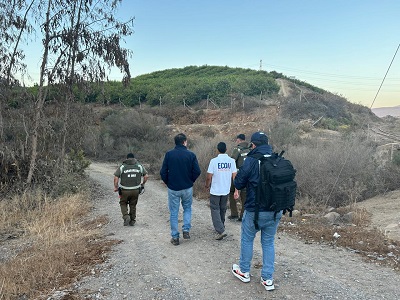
284 89
385 213
146 266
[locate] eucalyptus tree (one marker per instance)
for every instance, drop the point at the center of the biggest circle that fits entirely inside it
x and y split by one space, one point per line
14 27
81 42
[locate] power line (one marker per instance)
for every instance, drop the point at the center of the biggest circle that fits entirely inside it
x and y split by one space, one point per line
325 74
383 80
362 125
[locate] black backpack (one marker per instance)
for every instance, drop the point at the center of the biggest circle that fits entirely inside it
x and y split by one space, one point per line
276 189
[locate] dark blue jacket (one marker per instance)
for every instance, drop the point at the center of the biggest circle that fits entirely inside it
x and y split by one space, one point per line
180 168
249 175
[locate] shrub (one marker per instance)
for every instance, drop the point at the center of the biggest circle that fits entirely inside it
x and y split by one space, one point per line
341 170
283 133
134 131
396 157
334 172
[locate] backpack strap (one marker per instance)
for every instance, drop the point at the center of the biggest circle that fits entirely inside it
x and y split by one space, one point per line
257 201
257 156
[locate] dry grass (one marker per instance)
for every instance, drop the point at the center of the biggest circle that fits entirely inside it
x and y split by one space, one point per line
57 245
357 237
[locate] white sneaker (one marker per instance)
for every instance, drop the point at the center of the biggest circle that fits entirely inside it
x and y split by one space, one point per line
268 284
245 277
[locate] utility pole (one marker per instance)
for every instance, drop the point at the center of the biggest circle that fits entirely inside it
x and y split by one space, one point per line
260 64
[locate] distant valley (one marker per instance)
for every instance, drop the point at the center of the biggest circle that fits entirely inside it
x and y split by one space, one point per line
387 111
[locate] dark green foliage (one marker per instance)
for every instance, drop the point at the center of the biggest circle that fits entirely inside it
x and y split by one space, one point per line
396 158
173 86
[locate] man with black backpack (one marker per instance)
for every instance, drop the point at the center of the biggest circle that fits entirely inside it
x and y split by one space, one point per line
239 154
267 223
129 180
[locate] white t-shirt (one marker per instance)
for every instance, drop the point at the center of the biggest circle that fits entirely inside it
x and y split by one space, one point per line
222 168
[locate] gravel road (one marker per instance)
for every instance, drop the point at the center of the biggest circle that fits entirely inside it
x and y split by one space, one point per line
147 266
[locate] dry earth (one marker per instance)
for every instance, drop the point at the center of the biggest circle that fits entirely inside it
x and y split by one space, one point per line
385 213
146 266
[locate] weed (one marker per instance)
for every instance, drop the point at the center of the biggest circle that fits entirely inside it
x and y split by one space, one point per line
58 244
356 236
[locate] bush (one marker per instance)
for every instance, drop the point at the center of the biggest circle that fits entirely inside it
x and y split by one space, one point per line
133 131
396 158
339 171
283 133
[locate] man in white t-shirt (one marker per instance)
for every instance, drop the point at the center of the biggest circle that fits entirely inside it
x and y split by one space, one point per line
220 173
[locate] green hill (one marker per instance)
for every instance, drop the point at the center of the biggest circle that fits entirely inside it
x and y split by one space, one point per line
193 84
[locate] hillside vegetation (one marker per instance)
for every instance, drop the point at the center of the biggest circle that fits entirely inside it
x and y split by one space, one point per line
171 87
222 87
108 131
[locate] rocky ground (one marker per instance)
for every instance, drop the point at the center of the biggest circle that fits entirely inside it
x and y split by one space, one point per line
145 265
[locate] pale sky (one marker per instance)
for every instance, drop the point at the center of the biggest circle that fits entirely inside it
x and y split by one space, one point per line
343 46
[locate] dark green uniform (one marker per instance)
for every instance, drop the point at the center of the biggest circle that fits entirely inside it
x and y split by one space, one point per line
130 175
239 154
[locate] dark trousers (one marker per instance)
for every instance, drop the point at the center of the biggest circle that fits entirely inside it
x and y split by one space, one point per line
218 210
129 198
233 204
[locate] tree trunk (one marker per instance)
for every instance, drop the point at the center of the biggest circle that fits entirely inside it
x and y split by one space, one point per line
41 98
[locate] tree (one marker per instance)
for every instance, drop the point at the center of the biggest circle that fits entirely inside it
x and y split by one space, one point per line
13 25
82 39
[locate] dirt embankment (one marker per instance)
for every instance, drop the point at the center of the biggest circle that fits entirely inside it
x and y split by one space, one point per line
385 210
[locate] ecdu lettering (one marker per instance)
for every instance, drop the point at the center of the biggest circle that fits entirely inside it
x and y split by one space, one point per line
224 166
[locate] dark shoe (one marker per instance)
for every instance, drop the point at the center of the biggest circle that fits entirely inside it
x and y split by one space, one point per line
239 219
127 219
232 217
132 223
186 235
221 236
175 241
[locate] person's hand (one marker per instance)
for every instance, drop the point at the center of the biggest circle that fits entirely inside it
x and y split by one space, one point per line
115 189
236 194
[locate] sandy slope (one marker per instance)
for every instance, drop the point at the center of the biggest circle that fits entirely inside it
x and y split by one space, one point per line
385 212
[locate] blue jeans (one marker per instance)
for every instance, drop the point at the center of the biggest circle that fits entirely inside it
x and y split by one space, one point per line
174 200
268 227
